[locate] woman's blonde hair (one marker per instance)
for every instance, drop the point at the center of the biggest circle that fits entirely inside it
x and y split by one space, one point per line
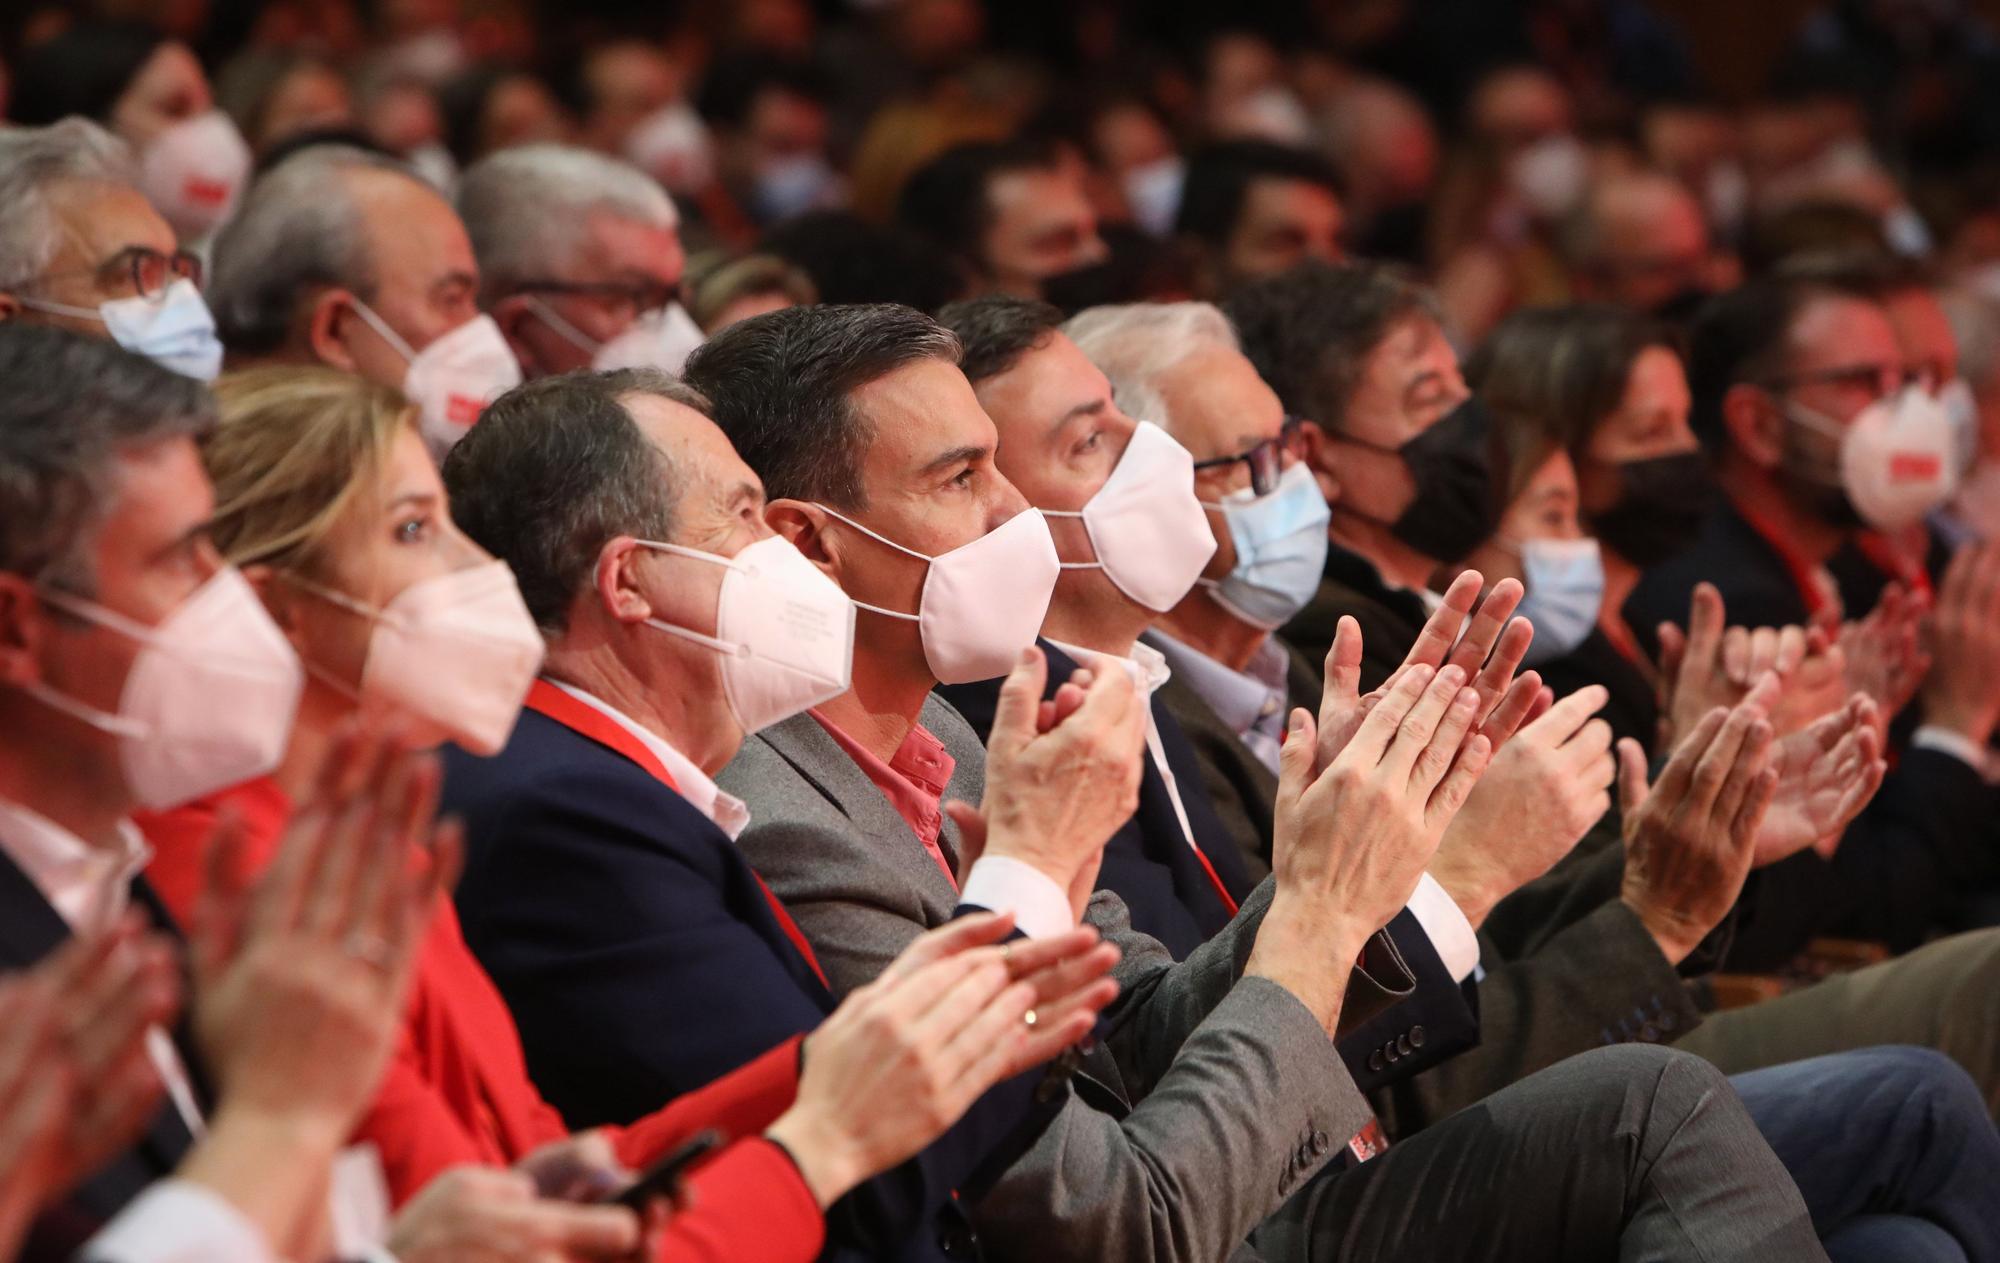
294 447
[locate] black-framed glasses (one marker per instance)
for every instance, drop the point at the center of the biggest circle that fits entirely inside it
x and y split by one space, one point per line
1880 379
149 271
1267 460
622 299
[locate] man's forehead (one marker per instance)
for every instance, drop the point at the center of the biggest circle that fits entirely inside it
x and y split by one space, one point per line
1840 327
918 413
103 219
618 246
689 440
1043 388
406 215
1217 402
160 492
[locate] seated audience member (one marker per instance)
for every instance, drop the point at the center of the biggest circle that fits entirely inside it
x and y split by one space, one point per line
1251 208
490 107
329 501
150 91
139 671
580 260
1121 500
723 289
347 259
1973 512
880 464
771 124
850 260
1640 241
273 96
83 250
1322 375
620 86
1009 214
603 887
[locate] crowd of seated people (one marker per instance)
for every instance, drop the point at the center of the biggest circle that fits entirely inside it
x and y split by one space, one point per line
780 635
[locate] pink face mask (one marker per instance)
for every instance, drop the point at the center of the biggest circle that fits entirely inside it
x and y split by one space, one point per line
1150 533
982 602
193 172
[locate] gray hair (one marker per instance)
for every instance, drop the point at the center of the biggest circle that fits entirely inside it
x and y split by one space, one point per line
1136 343
35 160
556 469
73 405
527 209
299 227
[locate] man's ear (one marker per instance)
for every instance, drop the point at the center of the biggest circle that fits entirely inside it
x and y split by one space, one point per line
22 620
10 306
617 582
510 313
804 526
1318 456
1755 424
326 328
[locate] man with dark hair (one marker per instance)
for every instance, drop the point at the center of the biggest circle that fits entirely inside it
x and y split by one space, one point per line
1252 208
1011 214
603 886
1219 1073
851 260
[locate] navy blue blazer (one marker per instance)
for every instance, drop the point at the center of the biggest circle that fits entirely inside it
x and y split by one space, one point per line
30 928
1148 864
641 960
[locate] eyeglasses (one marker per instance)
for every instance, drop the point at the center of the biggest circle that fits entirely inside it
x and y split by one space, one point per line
149 271
1267 460
626 300
1879 380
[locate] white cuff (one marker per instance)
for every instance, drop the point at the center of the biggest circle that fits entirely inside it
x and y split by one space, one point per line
1445 925
1000 883
1956 744
175 1221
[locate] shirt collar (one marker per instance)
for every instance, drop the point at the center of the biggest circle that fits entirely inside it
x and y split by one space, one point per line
88 886
1240 698
1146 665
698 787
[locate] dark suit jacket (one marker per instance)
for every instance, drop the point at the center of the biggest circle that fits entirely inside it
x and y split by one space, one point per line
29 930
1634 708
1147 861
1390 618
641 960
1162 882
1927 838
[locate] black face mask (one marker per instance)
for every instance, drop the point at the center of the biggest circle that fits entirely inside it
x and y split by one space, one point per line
1660 508
1456 507
1682 306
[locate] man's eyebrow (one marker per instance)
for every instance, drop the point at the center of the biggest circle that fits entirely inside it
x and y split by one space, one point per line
188 538
745 491
1425 378
957 456
1092 409
452 280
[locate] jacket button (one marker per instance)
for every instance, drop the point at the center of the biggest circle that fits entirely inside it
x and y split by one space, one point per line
1319 1143
1403 1045
1417 1036
1667 1021
1389 1051
1375 1062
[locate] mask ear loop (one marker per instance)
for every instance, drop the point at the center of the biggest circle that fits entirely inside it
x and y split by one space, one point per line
564 329
1076 565
880 539
723 647
381 326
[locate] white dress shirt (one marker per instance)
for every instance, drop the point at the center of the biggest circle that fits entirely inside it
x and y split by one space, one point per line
1246 701
1040 907
175 1221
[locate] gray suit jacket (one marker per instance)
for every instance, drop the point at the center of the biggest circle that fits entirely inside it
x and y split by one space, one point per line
1568 966
1211 1098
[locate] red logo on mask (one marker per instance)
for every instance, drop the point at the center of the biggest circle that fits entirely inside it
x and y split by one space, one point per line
1914 467
206 192
463 409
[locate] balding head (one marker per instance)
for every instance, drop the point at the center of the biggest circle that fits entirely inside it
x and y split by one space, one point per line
1639 240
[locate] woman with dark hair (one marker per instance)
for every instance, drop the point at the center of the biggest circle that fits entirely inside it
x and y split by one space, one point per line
151 92
1603 389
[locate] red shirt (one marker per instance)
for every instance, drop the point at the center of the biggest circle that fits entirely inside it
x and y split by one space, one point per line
457 1091
913 780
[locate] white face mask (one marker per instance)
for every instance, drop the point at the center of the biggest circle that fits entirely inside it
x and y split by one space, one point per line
453 379
795 184
210 699
174 330
456 652
786 631
1148 529
1551 176
1153 191
1565 590
1962 410
1898 457
434 163
660 339
193 171
982 602
675 147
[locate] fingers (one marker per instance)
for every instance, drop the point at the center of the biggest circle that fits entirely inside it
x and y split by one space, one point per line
1062 982
1343 669
1673 651
1429 737
1567 717
1028 956
1512 711
1750 812
960 935
1736 655
1705 623
216 928
1679 771
1440 631
1790 651
1015 713
1582 752
1721 759
1473 759
1379 728
587 1231
1493 682
1488 621
1295 757
956 1008
971 824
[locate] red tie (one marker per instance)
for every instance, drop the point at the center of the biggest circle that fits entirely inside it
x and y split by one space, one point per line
586 720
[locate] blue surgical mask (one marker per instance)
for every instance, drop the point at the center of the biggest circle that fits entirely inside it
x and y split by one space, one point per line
174 330
1280 542
1565 582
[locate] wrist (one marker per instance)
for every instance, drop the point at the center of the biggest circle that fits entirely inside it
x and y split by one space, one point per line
1475 898
1025 846
1308 955
1672 934
823 1153
1971 724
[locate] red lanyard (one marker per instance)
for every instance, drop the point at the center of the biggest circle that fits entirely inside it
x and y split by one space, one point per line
586 720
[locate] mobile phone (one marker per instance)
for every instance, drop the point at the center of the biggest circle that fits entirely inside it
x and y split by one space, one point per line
663 1178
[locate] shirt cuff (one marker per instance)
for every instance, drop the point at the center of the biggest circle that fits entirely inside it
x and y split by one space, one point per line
1445 925
1001 883
176 1221
1945 741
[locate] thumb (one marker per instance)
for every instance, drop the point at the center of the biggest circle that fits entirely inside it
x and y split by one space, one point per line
1295 760
1632 786
971 822
1020 703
